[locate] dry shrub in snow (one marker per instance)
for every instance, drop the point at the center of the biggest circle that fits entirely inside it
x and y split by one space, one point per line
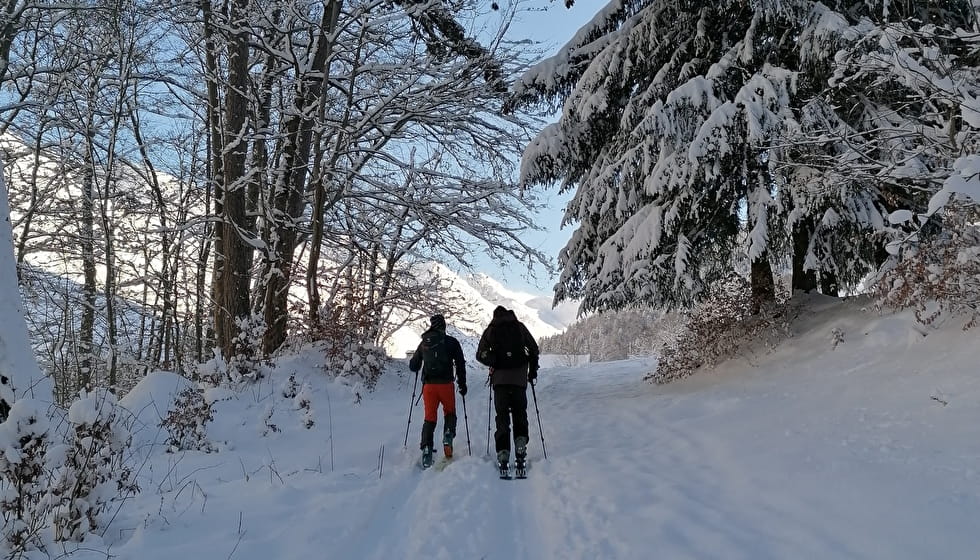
291 388
940 273
722 327
186 423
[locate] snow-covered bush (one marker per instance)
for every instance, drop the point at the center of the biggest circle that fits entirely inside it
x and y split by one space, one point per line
938 272
722 327
93 472
246 364
25 439
304 401
61 475
348 351
186 423
301 396
213 371
291 388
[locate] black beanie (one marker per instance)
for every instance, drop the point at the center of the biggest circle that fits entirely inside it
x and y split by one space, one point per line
437 322
499 312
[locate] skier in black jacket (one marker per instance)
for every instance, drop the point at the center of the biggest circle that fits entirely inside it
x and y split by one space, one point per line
510 351
437 356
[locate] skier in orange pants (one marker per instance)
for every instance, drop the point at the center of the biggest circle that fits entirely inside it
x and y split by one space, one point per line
438 356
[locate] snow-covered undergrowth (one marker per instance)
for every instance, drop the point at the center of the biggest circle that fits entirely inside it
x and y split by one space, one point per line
856 438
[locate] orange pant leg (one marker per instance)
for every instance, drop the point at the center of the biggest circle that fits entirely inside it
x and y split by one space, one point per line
434 394
430 399
447 396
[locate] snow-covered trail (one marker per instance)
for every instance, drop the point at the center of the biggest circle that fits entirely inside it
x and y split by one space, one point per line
815 451
569 507
758 465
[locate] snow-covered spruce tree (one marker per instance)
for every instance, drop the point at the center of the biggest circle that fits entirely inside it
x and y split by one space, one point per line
681 134
898 111
667 108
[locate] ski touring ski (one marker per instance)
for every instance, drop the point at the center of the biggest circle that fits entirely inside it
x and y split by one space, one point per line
516 471
520 469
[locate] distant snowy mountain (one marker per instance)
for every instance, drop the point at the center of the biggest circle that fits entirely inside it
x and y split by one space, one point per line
481 294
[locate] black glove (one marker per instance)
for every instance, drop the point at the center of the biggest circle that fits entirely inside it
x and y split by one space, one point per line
462 389
532 373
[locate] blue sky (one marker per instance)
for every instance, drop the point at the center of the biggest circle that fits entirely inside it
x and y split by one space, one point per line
553 25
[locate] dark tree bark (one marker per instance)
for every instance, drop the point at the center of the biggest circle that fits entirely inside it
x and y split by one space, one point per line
763 287
291 201
803 280
828 284
232 253
86 333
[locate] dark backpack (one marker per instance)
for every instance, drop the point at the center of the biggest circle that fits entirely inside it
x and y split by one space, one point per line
436 361
507 348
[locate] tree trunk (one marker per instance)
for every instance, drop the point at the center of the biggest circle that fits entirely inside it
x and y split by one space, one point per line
25 232
86 236
167 287
227 158
291 202
803 280
215 172
200 285
110 296
828 283
763 287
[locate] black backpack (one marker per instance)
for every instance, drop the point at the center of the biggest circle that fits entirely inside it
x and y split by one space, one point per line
436 361
507 348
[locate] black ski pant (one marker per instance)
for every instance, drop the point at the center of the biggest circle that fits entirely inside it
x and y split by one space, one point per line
509 400
429 430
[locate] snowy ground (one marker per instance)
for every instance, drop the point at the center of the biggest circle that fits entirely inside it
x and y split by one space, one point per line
814 451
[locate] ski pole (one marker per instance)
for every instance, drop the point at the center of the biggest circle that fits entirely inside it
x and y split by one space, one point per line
412 404
489 406
538 413
466 423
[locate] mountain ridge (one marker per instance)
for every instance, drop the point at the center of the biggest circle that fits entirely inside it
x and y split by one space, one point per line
481 293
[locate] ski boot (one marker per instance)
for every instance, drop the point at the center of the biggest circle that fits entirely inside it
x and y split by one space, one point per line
447 445
520 457
426 457
503 463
